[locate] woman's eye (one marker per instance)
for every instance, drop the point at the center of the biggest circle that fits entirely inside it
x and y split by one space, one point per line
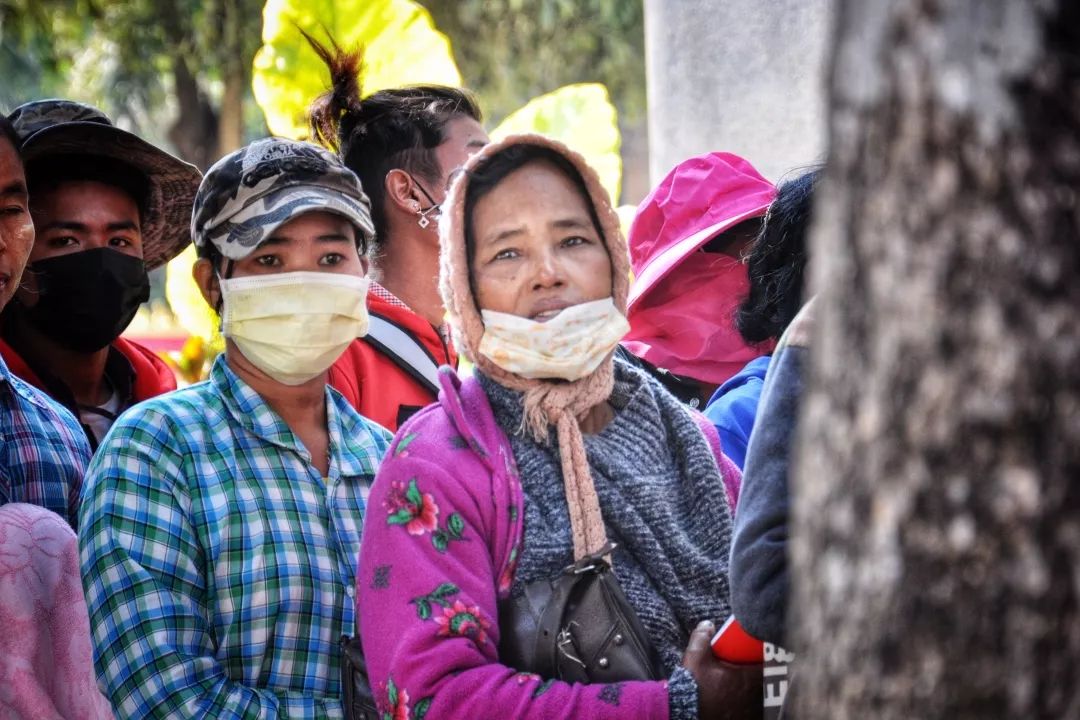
507 254
266 260
574 241
332 259
14 210
119 242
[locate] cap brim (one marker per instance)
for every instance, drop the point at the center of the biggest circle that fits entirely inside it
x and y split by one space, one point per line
669 259
242 233
173 183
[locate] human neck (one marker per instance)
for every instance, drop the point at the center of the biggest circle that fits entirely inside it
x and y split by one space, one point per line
298 405
409 269
302 407
83 374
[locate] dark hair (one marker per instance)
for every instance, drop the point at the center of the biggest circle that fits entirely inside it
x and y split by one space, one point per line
776 262
50 172
492 170
397 128
7 130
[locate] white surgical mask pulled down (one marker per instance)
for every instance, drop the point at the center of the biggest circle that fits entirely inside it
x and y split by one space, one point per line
294 326
569 346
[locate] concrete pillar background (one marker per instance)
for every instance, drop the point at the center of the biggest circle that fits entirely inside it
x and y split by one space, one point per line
744 76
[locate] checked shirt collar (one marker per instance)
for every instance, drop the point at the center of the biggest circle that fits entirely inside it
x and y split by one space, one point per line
251 412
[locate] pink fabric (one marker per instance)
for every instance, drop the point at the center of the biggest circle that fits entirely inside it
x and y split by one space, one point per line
46 666
429 617
699 199
686 324
729 471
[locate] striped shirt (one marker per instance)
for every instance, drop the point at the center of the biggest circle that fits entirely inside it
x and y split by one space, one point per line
43 450
218 564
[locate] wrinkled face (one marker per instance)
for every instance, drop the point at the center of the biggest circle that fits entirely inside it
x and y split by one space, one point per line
16 227
535 248
85 215
312 242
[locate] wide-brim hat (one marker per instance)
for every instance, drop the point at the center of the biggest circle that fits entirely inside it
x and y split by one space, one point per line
699 199
48 128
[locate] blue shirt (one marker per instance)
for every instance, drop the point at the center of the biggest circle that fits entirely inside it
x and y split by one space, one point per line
219 565
733 407
43 449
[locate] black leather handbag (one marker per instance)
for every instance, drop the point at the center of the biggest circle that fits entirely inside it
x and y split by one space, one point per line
577 627
356 697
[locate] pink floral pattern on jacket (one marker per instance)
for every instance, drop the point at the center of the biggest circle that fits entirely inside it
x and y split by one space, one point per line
427 603
46 666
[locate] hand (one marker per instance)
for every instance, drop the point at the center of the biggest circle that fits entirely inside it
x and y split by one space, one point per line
725 691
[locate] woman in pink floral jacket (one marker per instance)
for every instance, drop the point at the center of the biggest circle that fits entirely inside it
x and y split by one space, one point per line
502 481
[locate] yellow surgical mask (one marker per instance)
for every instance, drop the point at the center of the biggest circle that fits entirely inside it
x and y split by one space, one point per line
293 326
569 346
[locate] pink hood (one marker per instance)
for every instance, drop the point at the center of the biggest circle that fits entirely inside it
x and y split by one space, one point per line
699 199
682 302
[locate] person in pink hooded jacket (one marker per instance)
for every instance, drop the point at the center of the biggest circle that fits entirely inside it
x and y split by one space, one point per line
529 467
46 668
686 243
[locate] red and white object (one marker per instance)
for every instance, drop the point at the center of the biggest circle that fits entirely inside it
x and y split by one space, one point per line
734 645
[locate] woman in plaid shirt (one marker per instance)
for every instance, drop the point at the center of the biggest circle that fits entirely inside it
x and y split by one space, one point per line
222 521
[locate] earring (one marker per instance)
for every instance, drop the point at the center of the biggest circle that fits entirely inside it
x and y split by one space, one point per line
423 222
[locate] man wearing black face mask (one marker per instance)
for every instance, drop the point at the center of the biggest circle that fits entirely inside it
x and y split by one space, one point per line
107 207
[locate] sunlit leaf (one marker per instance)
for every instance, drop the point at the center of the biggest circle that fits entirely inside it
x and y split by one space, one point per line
402 47
582 117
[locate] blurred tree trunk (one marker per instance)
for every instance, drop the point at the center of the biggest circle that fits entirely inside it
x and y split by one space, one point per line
936 540
195 131
236 71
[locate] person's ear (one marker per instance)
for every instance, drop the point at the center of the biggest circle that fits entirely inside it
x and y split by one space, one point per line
207 280
401 191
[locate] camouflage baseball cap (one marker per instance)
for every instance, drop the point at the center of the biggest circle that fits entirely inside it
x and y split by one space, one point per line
248 194
49 128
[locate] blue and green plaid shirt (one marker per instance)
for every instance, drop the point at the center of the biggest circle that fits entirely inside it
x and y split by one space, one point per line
218 564
43 449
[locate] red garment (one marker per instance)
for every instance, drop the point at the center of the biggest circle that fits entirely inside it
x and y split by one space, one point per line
150 375
375 385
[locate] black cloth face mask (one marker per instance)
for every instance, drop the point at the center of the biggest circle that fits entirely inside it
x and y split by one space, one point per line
86 299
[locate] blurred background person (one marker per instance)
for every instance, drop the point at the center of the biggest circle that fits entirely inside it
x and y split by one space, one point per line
46 667
685 248
107 207
775 263
43 451
404 144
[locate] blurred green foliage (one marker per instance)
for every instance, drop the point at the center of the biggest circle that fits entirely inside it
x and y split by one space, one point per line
149 63
161 67
510 51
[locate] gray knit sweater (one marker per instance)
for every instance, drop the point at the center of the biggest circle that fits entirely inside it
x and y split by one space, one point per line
663 503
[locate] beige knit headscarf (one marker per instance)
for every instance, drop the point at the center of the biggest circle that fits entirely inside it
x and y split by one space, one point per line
546 402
